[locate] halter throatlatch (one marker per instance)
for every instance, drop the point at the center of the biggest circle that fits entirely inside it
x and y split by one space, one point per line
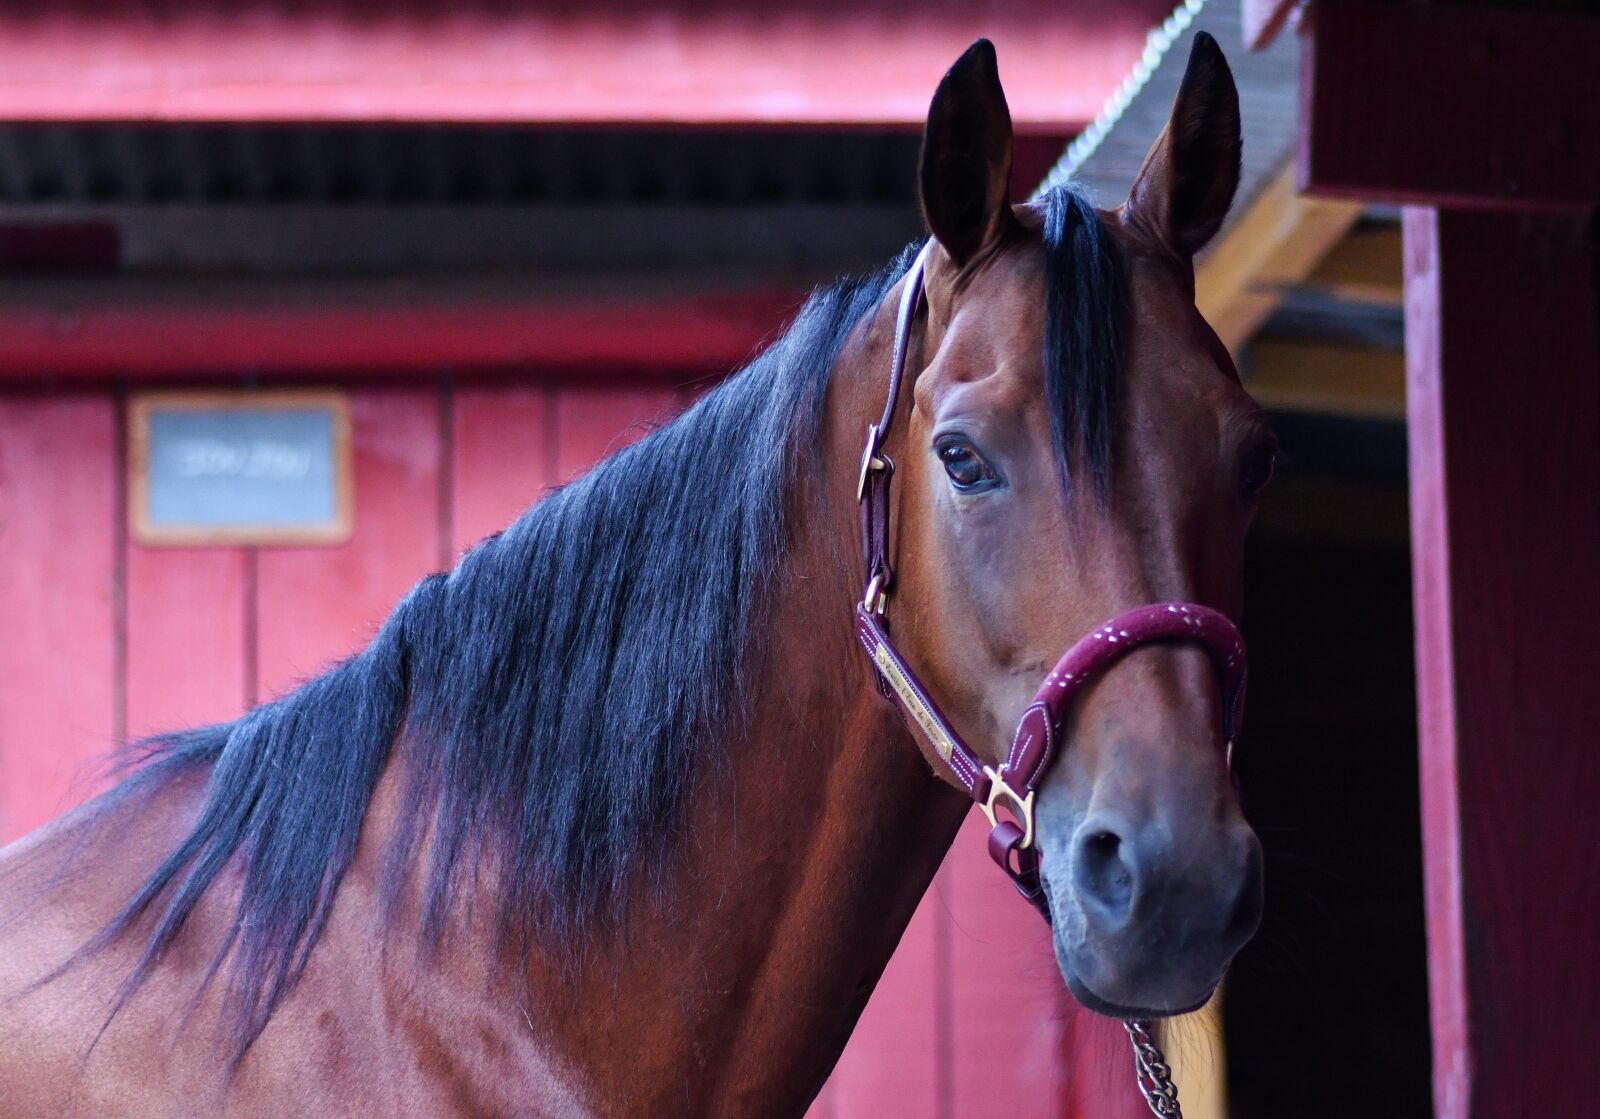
1006 794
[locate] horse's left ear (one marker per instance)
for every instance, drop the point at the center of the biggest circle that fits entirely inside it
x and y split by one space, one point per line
965 168
1183 191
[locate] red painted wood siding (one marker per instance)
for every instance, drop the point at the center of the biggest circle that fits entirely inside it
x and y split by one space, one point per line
188 610
592 421
1503 397
59 464
668 63
502 454
898 1059
969 1020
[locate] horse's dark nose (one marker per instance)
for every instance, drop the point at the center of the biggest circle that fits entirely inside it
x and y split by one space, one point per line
1143 880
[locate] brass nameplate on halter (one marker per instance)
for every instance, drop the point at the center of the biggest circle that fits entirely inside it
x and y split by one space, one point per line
913 702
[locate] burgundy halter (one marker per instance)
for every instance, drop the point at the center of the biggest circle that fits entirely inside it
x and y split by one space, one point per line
1033 747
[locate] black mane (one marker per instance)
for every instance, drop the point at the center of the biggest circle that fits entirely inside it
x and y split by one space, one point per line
547 698
1086 313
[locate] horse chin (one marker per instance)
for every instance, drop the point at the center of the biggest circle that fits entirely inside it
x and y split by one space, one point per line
1097 1005
1092 1001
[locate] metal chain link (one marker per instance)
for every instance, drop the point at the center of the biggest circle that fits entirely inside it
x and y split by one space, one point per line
1151 1072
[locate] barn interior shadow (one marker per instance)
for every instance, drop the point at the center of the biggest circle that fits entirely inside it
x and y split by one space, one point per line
1326 1011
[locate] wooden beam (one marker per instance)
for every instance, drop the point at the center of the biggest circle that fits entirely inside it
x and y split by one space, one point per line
1329 379
682 246
1338 512
1194 1049
1365 267
667 62
321 327
1260 21
1278 240
1450 106
1503 352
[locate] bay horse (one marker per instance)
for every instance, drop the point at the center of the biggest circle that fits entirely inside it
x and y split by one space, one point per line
610 819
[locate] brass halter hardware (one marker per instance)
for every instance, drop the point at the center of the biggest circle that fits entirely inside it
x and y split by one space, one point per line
876 597
871 460
1021 806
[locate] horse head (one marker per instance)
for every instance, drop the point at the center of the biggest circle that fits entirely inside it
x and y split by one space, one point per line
1079 444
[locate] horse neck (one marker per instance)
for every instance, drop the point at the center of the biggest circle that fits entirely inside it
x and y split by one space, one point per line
804 855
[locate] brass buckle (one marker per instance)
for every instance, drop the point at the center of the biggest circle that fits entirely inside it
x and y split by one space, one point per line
1021 807
870 460
876 597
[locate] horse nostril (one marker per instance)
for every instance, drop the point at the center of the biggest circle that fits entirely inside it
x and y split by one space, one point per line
1103 877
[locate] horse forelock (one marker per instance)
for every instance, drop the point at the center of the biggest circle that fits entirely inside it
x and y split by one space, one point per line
1086 328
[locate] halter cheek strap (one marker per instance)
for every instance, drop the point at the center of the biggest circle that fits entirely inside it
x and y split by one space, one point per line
1035 744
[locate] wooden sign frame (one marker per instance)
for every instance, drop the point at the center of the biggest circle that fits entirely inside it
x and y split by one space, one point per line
141 406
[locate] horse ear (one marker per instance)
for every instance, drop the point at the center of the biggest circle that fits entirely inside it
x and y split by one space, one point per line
965 168
1183 191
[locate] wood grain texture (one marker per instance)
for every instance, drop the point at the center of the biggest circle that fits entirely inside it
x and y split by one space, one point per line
1005 987
319 604
1193 1046
896 1062
1260 21
673 63
1326 379
1366 267
1503 352
593 421
187 659
502 456
1275 243
148 329
1449 106
58 602
1098 1067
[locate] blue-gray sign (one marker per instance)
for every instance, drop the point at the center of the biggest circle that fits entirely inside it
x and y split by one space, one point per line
241 472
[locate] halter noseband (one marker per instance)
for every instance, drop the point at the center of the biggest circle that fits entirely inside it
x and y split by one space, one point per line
1033 747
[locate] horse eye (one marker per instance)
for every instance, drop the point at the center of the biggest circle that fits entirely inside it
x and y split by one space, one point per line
966 470
1258 470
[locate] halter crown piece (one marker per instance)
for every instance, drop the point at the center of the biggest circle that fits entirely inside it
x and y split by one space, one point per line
1012 785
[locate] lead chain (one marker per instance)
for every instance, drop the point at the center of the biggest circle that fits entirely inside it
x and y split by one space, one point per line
1151 1072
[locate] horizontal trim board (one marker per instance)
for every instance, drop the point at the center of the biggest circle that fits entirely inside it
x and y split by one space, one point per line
672 62
62 331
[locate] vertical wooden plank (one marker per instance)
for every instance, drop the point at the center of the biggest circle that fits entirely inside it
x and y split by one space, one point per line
1096 1066
1436 710
594 420
1503 387
186 637
1194 1049
1502 125
1007 991
1261 20
318 604
502 457
896 1061
58 566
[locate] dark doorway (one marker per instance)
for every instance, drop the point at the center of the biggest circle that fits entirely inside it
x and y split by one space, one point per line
1326 1011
